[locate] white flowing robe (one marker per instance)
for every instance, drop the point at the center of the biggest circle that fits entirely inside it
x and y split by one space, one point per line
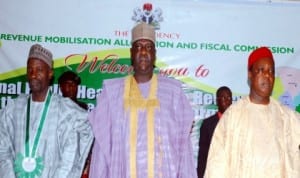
255 141
64 143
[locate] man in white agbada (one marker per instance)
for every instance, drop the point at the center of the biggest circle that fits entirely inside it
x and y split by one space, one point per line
43 134
257 137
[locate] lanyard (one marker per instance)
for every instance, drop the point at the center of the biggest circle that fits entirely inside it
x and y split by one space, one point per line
40 127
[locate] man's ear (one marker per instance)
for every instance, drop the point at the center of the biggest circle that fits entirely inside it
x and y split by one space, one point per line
131 56
249 78
50 74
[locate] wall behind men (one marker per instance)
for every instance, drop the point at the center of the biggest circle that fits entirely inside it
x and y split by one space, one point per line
203 44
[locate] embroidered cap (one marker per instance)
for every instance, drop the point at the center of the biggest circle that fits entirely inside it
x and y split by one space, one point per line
143 31
39 52
262 52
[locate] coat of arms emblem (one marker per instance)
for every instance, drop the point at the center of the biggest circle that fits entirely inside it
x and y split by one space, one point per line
148 15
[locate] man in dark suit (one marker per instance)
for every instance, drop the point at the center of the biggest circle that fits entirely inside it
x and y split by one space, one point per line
224 100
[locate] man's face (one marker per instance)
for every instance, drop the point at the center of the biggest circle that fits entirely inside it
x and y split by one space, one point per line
39 75
143 55
69 89
261 78
224 100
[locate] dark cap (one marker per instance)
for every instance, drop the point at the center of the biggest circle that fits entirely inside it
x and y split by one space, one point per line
69 75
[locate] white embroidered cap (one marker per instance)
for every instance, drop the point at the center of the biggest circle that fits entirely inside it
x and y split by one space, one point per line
39 52
143 31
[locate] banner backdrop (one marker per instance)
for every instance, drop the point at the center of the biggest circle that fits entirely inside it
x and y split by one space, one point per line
203 44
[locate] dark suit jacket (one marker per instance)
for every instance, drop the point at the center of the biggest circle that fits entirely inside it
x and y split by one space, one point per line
206 132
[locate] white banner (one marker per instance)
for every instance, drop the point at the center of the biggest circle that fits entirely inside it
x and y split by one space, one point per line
203 44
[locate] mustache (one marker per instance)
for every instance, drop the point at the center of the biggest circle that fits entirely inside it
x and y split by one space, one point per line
266 84
145 57
34 81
